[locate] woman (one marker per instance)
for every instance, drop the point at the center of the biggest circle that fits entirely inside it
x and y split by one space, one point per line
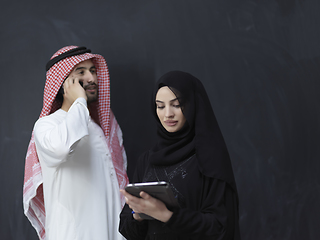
192 157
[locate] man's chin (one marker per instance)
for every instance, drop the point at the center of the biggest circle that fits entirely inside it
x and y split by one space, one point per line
91 99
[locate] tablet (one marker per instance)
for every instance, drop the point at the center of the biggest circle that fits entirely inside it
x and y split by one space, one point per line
159 190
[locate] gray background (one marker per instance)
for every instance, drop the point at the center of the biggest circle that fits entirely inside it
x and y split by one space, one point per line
259 61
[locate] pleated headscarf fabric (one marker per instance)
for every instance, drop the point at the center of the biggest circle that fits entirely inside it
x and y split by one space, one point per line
200 135
33 201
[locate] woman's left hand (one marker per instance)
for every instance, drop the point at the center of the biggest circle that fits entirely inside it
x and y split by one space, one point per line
147 205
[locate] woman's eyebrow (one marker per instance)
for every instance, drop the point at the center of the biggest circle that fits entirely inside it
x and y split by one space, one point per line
172 100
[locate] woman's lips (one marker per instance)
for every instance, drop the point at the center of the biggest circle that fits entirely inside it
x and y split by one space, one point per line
170 123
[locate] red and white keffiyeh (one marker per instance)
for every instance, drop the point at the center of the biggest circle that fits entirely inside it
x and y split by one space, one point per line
33 201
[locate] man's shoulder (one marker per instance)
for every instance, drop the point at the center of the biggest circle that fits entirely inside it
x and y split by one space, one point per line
53 118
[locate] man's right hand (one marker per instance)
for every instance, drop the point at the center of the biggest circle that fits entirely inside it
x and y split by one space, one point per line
73 90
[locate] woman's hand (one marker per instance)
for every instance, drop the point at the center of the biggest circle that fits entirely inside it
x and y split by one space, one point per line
147 205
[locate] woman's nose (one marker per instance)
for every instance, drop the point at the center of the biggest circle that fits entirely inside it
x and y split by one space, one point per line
169 113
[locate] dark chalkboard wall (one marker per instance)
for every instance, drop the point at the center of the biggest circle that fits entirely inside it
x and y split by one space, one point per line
259 61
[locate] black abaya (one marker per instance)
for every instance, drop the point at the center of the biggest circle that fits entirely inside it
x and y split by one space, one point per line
195 162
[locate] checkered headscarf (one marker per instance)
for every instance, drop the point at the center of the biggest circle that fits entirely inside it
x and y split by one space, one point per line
33 200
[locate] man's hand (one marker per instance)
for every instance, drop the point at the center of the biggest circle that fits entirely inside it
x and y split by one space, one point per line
73 90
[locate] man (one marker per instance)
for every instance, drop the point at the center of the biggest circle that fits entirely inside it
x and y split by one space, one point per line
76 163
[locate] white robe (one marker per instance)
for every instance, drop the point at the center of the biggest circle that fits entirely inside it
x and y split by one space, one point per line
81 190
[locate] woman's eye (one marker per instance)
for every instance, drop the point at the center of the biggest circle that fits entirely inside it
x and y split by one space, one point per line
160 107
176 105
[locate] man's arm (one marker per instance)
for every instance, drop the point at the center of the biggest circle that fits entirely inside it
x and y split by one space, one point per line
56 136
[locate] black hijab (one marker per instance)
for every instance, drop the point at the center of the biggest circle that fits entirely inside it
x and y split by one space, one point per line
200 135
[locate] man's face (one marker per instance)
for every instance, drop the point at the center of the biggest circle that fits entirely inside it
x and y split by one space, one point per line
87 75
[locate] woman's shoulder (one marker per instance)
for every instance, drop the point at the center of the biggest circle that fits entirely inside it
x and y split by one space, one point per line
144 158
141 165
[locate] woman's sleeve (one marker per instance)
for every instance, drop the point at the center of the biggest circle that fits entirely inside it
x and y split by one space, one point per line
130 228
217 217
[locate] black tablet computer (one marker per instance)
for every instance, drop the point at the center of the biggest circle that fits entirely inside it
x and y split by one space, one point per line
159 190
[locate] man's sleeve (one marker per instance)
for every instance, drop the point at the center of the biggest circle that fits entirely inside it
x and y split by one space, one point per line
55 138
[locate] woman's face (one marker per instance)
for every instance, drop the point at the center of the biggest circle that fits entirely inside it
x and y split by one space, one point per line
169 110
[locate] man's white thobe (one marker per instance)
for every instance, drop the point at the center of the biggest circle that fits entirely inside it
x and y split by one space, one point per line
81 190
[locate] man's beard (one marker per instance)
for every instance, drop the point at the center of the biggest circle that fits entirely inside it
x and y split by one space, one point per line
90 96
